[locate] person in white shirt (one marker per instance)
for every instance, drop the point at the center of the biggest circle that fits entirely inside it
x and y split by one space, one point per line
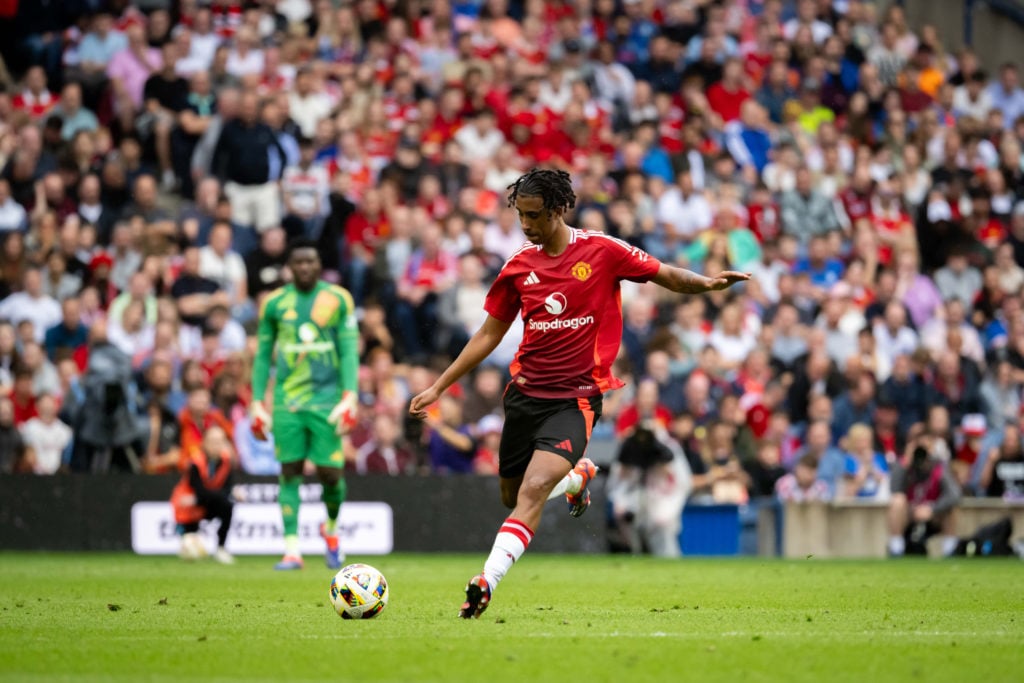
304 190
218 262
204 41
973 98
307 106
682 210
12 214
807 15
33 305
47 436
892 335
481 139
131 333
245 59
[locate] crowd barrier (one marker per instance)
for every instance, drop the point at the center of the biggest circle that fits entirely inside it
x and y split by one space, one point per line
854 529
428 514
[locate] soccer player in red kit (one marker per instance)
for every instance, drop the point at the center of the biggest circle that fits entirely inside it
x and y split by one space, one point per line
565 284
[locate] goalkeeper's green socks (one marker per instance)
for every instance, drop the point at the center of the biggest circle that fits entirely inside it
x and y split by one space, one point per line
333 497
288 498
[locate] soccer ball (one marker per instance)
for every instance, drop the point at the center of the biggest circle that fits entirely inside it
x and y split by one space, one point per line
359 591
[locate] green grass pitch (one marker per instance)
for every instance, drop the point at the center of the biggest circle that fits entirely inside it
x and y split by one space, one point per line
120 618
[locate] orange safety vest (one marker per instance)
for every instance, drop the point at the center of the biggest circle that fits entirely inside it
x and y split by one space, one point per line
190 513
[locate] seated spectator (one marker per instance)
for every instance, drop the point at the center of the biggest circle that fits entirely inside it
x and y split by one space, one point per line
383 453
69 337
58 283
765 471
1000 395
488 436
13 216
644 409
32 304
1003 473
866 472
802 484
47 436
958 279
450 444
924 498
824 270
805 211
430 273
969 453
221 264
131 333
830 463
16 457
194 294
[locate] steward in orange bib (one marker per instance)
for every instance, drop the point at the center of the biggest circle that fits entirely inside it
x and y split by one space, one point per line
204 492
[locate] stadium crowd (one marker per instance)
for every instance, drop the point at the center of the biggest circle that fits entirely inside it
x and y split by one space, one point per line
157 156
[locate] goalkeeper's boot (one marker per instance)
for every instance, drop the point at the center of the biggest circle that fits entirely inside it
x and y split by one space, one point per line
478 596
333 557
289 562
580 501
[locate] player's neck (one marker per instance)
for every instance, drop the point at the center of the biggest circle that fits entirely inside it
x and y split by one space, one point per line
559 241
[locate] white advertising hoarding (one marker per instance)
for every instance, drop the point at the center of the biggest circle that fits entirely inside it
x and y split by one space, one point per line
364 528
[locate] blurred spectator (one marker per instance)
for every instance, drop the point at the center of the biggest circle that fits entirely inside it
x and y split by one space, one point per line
15 456
806 212
204 492
249 159
450 445
488 434
802 485
765 471
866 471
383 453
196 418
1003 473
47 436
32 305
68 338
430 273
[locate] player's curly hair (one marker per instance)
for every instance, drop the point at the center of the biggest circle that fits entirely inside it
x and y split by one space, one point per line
554 187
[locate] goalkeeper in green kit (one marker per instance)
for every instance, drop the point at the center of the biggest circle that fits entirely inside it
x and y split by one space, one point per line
313 325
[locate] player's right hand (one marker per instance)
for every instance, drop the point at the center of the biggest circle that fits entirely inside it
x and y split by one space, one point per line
418 406
261 420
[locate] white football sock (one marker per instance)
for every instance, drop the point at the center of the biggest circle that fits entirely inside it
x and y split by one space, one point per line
509 545
897 545
570 483
291 545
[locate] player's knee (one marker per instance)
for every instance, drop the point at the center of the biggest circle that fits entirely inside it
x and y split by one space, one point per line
536 489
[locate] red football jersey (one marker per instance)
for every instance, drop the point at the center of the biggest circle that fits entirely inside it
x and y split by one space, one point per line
572 312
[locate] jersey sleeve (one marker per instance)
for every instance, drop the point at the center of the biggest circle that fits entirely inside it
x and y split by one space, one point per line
348 343
266 335
503 301
629 262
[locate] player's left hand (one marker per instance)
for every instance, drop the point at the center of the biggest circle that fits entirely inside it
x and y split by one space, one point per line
344 414
726 279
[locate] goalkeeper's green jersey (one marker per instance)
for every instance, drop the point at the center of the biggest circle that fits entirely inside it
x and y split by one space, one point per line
316 335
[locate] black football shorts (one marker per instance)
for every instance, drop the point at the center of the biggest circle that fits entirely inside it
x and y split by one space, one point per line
556 425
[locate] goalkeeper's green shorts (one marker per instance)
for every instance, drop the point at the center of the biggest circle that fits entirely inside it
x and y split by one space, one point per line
307 435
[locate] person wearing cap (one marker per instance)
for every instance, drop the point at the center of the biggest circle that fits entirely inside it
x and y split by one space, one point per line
488 434
973 428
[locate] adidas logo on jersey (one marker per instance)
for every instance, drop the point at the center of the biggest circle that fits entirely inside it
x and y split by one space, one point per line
531 279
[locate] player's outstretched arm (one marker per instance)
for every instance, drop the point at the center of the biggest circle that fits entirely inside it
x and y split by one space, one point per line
479 346
687 282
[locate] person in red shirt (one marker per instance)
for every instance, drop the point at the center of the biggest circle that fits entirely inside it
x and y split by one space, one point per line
727 96
431 272
365 229
35 99
22 397
564 284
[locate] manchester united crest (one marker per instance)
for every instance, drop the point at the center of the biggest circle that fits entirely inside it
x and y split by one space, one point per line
581 271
